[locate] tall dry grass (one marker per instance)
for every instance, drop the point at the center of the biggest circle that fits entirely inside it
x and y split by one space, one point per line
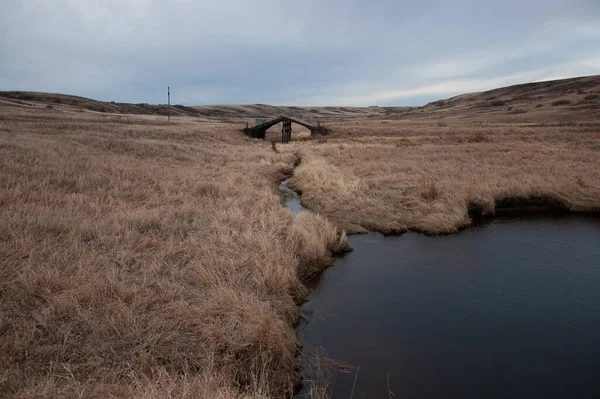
146 259
402 175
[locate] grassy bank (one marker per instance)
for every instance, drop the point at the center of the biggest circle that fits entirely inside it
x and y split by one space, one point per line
392 176
146 259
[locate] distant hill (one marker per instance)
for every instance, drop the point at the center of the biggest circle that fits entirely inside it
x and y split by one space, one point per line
26 99
30 99
263 110
564 100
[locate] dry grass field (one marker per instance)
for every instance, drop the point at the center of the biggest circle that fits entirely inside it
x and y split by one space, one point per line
424 169
393 176
146 259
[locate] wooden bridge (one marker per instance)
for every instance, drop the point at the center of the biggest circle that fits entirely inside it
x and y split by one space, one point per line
260 131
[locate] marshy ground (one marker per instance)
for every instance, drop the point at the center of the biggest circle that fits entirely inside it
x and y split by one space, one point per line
394 176
142 258
147 259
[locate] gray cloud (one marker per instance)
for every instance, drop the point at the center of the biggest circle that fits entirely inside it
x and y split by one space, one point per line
347 52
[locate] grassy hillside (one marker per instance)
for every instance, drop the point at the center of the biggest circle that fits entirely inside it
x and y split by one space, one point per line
566 99
21 99
73 103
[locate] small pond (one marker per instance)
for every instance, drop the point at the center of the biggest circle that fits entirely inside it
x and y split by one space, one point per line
508 308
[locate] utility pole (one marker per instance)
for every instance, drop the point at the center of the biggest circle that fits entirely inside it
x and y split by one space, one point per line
169 103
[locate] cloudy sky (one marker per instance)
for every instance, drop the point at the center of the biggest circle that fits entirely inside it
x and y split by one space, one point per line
292 52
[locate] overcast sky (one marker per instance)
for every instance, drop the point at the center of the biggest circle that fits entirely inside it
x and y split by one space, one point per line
296 52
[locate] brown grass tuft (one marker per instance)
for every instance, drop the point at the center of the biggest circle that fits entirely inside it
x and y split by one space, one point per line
430 191
317 240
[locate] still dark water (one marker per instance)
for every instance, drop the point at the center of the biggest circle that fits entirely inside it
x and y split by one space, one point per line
510 308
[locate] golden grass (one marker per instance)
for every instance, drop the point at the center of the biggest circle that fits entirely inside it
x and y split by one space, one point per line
146 259
393 176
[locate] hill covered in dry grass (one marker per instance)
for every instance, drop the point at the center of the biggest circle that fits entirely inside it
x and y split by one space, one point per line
565 99
558 100
50 101
19 99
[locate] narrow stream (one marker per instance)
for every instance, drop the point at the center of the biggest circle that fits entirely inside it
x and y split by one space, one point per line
508 308
290 197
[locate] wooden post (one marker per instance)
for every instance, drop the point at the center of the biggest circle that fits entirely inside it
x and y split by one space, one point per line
169 103
286 131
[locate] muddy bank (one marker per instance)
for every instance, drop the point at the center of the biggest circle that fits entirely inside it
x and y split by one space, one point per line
479 210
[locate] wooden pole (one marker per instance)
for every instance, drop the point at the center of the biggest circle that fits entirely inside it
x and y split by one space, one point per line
169 103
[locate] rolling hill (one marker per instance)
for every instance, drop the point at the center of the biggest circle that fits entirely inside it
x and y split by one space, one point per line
565 99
